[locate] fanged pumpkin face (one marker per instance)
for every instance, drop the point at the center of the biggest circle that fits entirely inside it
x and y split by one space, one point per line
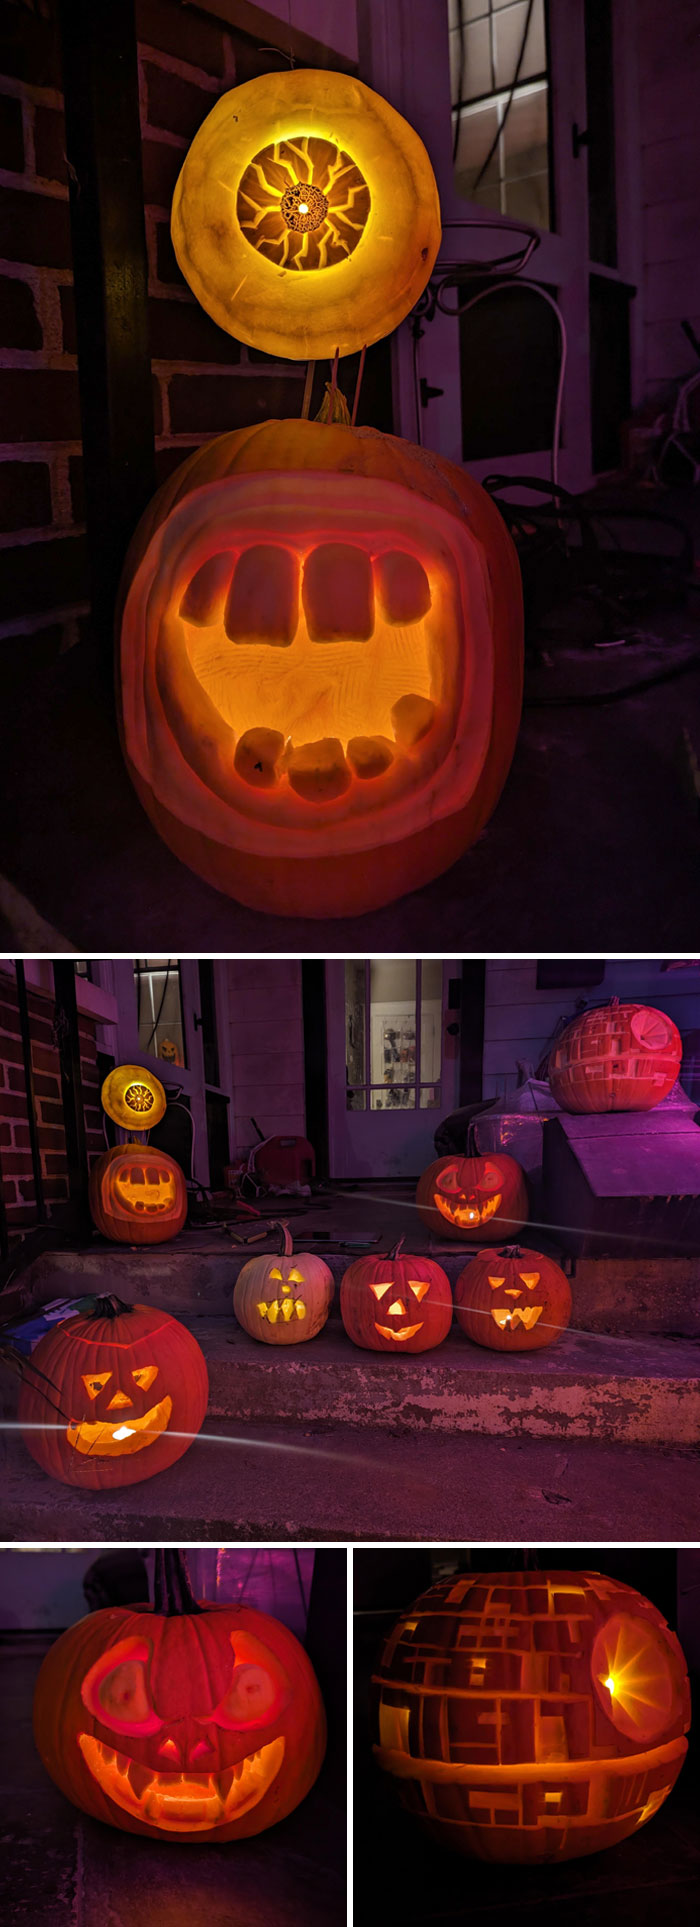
508 1317
471 1208
399 1308
286 1300
102 1436
180 1770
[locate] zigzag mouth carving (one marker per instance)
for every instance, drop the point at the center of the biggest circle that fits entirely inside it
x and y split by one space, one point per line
185 1800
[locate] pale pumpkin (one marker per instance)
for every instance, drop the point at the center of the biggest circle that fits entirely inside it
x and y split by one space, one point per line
283 1298
133 1097
306 217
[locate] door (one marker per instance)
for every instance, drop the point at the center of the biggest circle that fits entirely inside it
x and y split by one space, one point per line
393 1062
170 1016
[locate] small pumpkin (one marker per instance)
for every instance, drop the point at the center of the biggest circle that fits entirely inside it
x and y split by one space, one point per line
396 1303
621 1057
458 1196
128 1386
184 1722
306 217
133 1097
320 665
283 1298
512 1299
137 1196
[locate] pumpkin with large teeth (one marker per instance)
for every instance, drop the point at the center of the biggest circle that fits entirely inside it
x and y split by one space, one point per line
513 1299
457 1196
321 663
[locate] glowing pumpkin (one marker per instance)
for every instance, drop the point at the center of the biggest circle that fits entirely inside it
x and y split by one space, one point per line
531 1716
512 1300
306 216
137 1196
458 1196
398 1303
113 1397
133 1097
185 1722
286 1298
623 1057
321 665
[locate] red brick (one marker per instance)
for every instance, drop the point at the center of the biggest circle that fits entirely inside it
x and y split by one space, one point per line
55 1189
21 1137
16 1161
51 1113
181 31
41 1028
161 166
45 1060
70 340
34 228
56 1163
42 575
19 322
25 495
179 106
202 402
9 1007
12 1106
181 332
167 269
6 1134
29 46
50 144
52 1140
11 1050
39 405
46 1086
11 137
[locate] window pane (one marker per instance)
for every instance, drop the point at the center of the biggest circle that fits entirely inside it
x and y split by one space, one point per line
159 1007
525 134
393 1032
483 65
508 29
355 1022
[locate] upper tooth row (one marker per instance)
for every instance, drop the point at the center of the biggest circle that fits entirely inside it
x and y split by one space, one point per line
259 599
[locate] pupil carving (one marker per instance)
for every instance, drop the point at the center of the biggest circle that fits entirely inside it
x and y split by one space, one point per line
304 208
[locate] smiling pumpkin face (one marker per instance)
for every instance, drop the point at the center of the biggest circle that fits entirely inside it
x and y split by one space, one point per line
459 1197
396 1304
320 665
206 1728
513 1299
137 1195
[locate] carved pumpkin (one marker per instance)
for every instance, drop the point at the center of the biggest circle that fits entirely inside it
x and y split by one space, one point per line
111 1398
321 665
283 1299
169 1052
458 1197
306 217
184 1722
398 1303
133 1097
531 1716
623 1057
512 1300
137 1196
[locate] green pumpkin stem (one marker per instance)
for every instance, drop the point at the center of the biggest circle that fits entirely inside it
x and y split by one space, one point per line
172 1592
334 407
286 1247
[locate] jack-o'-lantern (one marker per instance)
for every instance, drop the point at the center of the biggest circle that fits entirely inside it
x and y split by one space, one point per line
137 1196
185 1722
306 217
512 1300
321 665
283 1299
459 1197
133 1097
621 1057
397 1303
169 1052
531 1716
113 1397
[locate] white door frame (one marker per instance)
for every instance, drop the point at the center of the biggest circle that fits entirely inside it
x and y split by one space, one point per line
372 1144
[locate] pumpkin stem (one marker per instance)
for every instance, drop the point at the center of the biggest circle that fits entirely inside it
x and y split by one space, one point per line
111 1307
395 1250
286 1247
172 1592
334 407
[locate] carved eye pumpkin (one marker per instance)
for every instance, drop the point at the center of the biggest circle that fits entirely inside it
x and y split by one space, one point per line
130 1384
504 1303
603 1703
397 1303
306 216
283 1300
186 1722
623 1057
458 1197
133 1097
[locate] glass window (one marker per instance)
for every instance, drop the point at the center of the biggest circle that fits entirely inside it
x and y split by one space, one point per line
393 1023
159 1007
500 123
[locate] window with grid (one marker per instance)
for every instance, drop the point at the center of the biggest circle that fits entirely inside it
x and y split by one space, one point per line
159 1004
500 106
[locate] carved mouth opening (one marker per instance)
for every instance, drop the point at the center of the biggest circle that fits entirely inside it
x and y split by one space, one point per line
399 1333
526 1315
466 1213
103 1440
285 1308
173 1801
155 1193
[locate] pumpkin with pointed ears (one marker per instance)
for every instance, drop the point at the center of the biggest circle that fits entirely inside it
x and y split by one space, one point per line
620 1057
283 1299
306 217
458 1196
512 1300
114 1396
186 1722
320 665
137 1196
397 1303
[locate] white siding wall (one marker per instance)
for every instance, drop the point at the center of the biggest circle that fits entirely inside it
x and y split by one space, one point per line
267 1048
669 91
519 1019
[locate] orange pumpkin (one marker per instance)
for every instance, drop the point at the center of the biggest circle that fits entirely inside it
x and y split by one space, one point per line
398 1303
531 1716
185 1722
458 1196
306 217
137 1196
622 1057
285 1298
512 1300
133 1097
321 665
111 1398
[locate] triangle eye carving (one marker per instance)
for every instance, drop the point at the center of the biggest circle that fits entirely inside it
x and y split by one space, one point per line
419 1287
381 1290
529 1278
495 1282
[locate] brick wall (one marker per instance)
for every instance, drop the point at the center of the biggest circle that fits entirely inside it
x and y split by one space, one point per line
15 1153
669 84
267 1049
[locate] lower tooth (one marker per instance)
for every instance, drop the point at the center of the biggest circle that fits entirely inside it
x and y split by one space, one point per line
318 771
412 717
258 756
370 755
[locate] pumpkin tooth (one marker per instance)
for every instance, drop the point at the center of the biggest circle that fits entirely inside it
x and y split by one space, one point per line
338 593
403 589
318 771
203 600
370 756
263 600
412 717
258 757
139 1777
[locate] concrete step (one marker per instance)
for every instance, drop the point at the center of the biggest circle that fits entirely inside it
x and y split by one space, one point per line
294 1483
